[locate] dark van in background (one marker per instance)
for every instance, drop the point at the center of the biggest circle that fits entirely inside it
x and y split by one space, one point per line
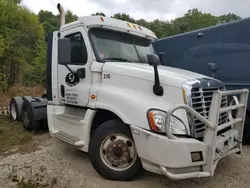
227 46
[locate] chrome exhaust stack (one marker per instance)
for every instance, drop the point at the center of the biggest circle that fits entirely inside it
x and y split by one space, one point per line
62 14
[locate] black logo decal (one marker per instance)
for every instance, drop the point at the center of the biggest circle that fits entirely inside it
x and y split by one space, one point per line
72 79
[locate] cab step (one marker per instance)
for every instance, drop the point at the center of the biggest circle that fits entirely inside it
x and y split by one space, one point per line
70 117
68 138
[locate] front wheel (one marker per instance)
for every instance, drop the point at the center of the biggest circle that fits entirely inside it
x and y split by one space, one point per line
246 135
112 152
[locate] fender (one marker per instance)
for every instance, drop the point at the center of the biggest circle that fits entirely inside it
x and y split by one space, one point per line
38 107
132 105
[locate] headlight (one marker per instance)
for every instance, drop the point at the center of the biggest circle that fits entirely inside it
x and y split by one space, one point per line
157 122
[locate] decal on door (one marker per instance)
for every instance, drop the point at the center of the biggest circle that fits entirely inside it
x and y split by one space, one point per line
71 96
72 79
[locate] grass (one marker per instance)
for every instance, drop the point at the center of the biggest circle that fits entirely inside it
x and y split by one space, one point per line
12 135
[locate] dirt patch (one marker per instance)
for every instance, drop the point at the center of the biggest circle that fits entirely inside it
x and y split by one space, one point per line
20 90
60 165
33 146
47 162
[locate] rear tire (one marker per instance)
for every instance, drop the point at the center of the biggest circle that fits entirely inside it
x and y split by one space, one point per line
16 108
28 121
112 152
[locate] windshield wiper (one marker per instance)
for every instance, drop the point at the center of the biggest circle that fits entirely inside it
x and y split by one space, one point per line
116 59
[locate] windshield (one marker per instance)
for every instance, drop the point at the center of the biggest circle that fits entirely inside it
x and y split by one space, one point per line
118 46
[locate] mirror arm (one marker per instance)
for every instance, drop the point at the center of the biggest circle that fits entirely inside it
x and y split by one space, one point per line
67 66
157 80
157 89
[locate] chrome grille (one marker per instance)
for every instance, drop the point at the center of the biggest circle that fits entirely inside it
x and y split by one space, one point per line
201 99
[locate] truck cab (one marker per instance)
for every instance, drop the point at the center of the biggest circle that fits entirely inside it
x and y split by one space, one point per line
109 96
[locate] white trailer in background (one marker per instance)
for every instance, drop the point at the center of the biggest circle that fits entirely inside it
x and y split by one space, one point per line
109 95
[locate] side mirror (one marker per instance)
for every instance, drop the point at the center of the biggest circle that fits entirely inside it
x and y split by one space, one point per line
161 56
153 60
64 51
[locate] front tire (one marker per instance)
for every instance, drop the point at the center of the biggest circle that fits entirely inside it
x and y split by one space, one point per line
112 152
246 135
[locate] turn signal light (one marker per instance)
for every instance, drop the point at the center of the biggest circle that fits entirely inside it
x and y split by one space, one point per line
92 96
102 19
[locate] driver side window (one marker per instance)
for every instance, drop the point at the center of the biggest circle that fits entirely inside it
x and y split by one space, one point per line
79 54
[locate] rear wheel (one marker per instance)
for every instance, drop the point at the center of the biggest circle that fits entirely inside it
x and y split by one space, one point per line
28 119
16 108
112 152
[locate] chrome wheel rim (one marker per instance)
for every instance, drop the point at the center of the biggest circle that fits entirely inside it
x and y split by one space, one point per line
118 152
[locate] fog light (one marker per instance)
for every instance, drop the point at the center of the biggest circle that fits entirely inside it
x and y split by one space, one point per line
196 156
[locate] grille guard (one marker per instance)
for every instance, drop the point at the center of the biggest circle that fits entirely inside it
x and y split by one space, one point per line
212 128
214 112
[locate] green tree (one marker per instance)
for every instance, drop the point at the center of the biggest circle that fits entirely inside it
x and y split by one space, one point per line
228 18
49 21
193 20
36 73
124 17
45 16
98 14
70 17
20 30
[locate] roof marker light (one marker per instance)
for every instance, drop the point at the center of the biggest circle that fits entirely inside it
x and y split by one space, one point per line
102 19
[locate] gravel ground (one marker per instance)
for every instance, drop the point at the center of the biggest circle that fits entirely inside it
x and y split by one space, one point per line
59 165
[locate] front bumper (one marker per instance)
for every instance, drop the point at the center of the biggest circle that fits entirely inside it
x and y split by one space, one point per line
182 158
173 157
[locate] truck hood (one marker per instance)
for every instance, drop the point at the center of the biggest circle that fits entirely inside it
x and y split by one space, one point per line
168 75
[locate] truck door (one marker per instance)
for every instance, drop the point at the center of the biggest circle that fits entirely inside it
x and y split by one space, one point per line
72 89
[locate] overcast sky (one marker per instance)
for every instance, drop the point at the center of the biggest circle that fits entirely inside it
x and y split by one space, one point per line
146 9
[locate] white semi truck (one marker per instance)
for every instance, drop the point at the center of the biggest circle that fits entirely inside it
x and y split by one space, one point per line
108 95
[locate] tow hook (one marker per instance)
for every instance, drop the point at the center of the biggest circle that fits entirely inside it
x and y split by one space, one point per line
237 140
219 151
